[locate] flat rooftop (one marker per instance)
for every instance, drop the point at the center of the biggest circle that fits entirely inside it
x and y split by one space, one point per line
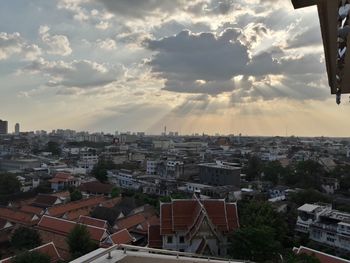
133 254
219 166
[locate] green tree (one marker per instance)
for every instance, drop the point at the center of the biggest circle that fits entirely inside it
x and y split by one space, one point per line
31 257
273 171
9 184
309 196
115 192
80 242
101 168
25 238
75 195
306 174
253 168
258 213
255 244
54 148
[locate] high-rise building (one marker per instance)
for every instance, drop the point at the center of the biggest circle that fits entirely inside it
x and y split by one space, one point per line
17 129
3 127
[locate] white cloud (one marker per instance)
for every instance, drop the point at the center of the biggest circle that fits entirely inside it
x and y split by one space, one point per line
107 44
56 44
14 44
75 74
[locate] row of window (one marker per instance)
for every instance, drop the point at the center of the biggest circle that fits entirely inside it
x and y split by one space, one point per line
170 239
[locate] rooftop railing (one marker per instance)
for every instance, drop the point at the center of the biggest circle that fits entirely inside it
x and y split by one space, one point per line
177 255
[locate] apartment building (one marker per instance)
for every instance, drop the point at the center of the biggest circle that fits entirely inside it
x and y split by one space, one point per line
220 173
325 225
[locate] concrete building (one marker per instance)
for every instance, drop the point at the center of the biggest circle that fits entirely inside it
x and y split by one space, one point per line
325 225
220 173
3 127
17 129
151 167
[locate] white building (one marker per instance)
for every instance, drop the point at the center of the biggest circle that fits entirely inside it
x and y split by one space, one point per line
151 167
325 225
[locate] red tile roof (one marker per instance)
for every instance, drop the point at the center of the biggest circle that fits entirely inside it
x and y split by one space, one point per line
96 187
64 227
86 220
136 223
44 200
18 216
154 238
32 209
62 177
122 237
47 249
130 221
322 257
110 203
75 214
182 215
60 210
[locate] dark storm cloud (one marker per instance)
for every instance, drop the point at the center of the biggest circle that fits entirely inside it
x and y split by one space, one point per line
206 63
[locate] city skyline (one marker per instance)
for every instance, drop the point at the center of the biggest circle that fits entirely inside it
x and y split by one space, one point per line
97 65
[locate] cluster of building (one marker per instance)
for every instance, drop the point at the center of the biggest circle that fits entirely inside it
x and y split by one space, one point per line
205 170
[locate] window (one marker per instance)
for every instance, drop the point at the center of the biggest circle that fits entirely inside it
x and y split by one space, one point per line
182 239
170 240
182 250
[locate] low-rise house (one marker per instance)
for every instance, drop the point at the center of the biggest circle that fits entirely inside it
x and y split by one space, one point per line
277 194
96 188
48 249
46 200
121 237
195 226
18 216
62 181
87 220
73 210
56 230
330 185
32 209
325 225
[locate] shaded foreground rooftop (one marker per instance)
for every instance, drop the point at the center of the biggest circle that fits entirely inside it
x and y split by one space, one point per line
133 254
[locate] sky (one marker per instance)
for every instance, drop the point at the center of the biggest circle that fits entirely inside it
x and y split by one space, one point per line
254 67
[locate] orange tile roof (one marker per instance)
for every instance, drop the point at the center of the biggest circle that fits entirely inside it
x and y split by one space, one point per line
62 177
47 249
74 215
64 227
18 216
181 215
86 220
122 237
154 238
110 203
130 221
322 257
60 210
32 209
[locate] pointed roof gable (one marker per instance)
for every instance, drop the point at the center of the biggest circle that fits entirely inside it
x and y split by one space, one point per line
184 215
64 227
